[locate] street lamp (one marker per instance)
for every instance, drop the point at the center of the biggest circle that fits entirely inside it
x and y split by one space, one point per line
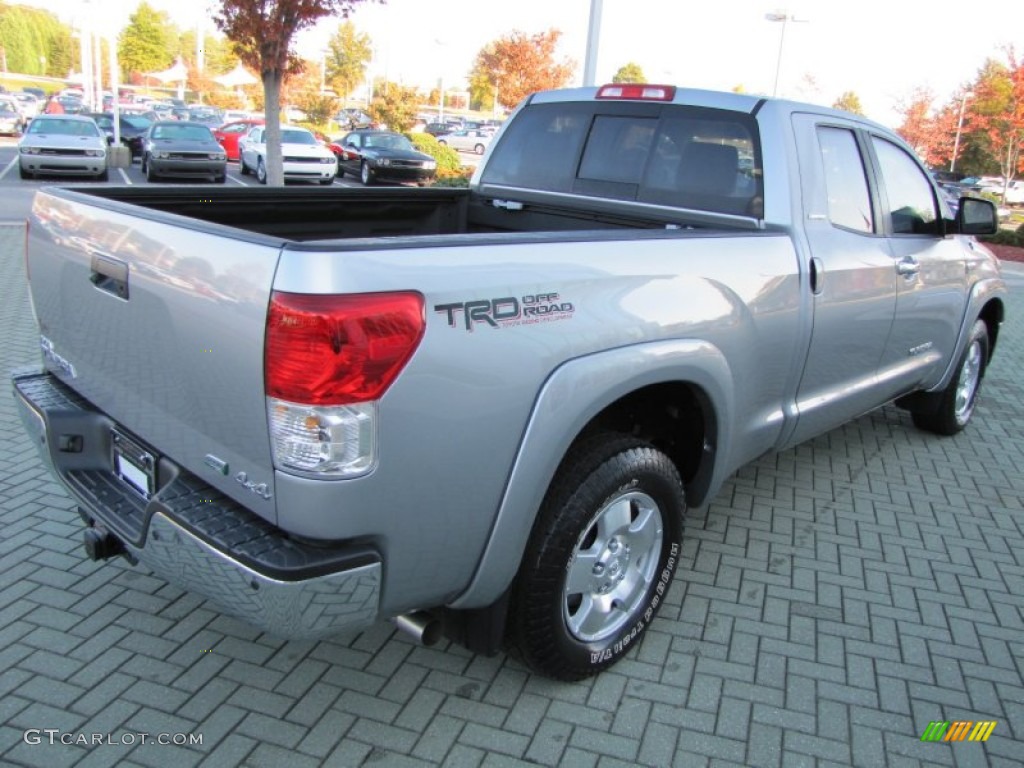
959 128
785 17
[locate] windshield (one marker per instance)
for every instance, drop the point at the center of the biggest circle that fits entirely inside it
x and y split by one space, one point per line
182 132
388 141
298 137
137 121
63 127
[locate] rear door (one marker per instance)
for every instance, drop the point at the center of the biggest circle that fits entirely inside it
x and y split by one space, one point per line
852 275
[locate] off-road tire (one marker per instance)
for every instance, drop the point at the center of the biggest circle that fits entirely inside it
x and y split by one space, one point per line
608 486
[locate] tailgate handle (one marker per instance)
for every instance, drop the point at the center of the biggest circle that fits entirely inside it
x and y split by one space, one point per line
110 275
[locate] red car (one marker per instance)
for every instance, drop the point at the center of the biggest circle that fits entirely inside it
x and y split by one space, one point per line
229 134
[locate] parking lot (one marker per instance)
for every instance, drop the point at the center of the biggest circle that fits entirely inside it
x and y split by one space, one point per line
834 600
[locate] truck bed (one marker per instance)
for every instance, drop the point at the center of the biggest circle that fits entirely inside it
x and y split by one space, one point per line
302 214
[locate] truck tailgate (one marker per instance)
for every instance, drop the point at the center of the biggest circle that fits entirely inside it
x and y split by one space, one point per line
159 322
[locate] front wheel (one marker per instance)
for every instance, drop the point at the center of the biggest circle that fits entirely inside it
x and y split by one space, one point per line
243 169
365 174
600 559
261 171
479 149
957 401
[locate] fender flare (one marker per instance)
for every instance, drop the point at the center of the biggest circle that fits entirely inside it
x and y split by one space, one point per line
569 399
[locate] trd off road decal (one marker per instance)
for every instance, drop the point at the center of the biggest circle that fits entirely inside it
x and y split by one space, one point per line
507 311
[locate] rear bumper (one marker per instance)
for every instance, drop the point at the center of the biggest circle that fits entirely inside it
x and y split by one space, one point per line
195 537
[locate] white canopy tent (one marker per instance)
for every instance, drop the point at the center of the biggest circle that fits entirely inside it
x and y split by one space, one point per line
236 78
176 74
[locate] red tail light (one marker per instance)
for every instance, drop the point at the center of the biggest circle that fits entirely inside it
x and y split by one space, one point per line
336 350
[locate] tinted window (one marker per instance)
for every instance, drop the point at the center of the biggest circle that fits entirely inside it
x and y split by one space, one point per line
540 148
911 200
849 204
666 155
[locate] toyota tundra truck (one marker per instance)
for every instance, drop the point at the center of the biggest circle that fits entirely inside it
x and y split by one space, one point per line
483 412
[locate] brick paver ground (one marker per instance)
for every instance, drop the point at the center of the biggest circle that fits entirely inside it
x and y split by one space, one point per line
836 599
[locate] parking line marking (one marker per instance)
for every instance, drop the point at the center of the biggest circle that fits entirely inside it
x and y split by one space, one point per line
9 166
237 181
124 176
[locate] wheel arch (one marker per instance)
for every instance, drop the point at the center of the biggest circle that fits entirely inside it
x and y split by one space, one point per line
676 394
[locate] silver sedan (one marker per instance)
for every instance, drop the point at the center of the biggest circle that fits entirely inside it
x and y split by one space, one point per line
63 145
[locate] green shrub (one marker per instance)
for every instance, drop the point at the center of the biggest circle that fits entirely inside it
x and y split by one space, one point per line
1006 237
448 163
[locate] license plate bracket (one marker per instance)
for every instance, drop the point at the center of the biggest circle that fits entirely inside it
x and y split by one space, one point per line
133 464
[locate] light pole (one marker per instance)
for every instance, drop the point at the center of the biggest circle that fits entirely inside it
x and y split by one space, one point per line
959 128
785 17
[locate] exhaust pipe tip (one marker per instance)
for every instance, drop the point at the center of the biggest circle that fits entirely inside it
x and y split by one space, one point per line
102 545
423 627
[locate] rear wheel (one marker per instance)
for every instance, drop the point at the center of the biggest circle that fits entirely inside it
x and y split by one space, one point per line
600 559
956 404
479 149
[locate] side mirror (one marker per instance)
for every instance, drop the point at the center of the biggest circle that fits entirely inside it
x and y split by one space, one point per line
975 216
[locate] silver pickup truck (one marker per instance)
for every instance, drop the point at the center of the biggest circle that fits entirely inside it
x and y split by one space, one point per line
484 411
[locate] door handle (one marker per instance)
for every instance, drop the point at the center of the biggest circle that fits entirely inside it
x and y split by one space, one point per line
110 275
908 268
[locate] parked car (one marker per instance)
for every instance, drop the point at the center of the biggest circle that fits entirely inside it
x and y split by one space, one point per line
182 150
229 134
131 127
12 122
373 155
467 140
1014 193
305 158
71 145
28 104
39 93
233 115
206 115
354 119
72 105
437 129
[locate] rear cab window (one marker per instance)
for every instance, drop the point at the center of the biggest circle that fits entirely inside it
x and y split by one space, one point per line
660 154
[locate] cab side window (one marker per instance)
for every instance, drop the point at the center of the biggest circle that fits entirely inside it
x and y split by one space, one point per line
849 203
912 203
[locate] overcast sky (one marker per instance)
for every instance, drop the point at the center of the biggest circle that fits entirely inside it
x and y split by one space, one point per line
879 49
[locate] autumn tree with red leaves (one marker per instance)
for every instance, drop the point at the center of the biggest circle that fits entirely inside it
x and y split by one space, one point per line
262 32
519 64
998 113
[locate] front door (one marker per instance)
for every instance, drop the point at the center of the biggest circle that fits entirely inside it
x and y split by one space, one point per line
932 274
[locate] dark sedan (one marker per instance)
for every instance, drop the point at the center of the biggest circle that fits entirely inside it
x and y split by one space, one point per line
182 150
132 126
383 155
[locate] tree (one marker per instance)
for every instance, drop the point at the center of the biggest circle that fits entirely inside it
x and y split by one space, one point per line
849 102
262 31
998 113
348 54
917 127
395 106
629 73
148 43
520 64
